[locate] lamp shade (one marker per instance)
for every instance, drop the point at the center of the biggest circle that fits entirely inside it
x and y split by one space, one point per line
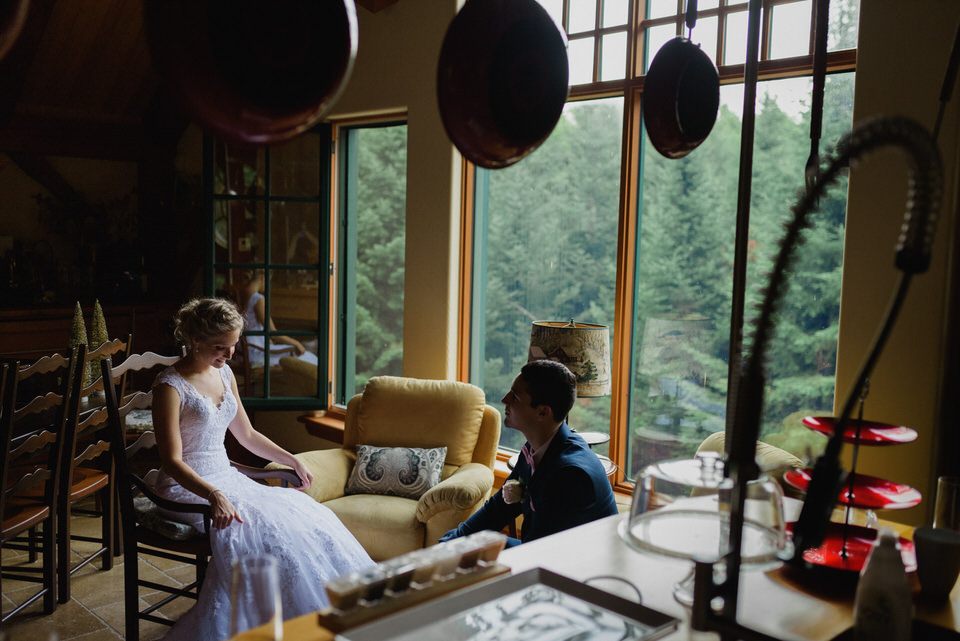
584 348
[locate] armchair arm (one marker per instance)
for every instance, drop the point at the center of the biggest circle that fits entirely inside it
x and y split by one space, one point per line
462 490
330 469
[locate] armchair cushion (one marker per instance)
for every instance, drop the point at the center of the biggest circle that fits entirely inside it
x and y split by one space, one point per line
396 471
386 526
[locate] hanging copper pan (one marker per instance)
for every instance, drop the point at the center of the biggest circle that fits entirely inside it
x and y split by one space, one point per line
681 95
501 80
13 15
253 71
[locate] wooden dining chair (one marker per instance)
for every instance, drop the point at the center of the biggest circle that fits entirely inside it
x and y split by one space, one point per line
87 470
146 531
32 435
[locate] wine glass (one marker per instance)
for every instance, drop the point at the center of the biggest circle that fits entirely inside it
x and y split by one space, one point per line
255 598
681 509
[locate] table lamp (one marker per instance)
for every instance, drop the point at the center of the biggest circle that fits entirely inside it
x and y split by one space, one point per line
583 347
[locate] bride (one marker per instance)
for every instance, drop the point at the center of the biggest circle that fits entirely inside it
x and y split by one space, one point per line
195 402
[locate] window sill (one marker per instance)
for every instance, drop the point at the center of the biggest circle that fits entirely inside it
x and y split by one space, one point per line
326 425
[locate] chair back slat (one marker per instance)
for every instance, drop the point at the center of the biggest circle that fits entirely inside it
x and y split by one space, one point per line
108 349
91 419
44 365
136 401
31 443
116 349
145 441
38 404
147 360
24 485
92 451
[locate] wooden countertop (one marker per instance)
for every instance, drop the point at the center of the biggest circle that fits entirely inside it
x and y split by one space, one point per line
781 602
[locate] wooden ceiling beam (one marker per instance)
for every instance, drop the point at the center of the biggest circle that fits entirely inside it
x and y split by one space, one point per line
40 169
72 138
16 65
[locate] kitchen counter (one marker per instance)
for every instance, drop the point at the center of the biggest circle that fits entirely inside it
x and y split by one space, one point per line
782 602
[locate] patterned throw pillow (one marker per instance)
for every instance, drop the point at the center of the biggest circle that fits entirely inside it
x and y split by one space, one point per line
397 471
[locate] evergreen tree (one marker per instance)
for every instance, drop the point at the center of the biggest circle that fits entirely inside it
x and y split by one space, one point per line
78 336
98 333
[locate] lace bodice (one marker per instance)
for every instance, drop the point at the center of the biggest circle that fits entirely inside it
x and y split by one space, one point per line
203 423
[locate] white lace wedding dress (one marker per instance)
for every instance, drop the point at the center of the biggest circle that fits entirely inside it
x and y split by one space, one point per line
309 541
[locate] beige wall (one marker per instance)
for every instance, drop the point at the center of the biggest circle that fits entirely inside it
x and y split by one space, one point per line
396 69
902 57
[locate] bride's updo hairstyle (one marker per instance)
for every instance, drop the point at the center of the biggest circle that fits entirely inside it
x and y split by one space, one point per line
204 318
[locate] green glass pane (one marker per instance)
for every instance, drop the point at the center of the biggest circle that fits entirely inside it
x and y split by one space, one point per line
238 228
238 171
580 56
582 16
615 12
295 235
295 167
613 56
790 29
735 39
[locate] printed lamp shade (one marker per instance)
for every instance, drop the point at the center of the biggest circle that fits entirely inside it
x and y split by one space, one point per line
584 348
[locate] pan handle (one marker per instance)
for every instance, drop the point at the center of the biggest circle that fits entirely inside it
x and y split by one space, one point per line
691 19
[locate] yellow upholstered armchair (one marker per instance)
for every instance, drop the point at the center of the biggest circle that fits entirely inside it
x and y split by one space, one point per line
396 412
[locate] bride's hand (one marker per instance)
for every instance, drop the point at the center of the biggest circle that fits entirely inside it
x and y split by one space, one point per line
306 478
223 513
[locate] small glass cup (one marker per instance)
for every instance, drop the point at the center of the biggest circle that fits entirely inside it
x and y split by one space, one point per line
255 598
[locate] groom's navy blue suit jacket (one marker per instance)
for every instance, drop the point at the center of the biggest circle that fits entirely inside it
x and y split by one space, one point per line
569 488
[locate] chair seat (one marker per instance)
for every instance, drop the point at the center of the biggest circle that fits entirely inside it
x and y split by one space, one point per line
20 515
386 526
86 481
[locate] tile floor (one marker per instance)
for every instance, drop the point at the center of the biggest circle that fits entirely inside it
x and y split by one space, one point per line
95 611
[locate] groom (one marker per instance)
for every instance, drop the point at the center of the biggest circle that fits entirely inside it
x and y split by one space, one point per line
558 482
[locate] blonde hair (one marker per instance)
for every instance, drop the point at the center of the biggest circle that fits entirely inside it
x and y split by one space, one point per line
204 318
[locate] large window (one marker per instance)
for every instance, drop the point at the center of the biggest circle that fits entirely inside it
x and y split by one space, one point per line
595 225
372 161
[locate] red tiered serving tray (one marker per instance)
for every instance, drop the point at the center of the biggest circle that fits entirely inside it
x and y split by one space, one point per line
830 554
845 546
869 492
871 432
